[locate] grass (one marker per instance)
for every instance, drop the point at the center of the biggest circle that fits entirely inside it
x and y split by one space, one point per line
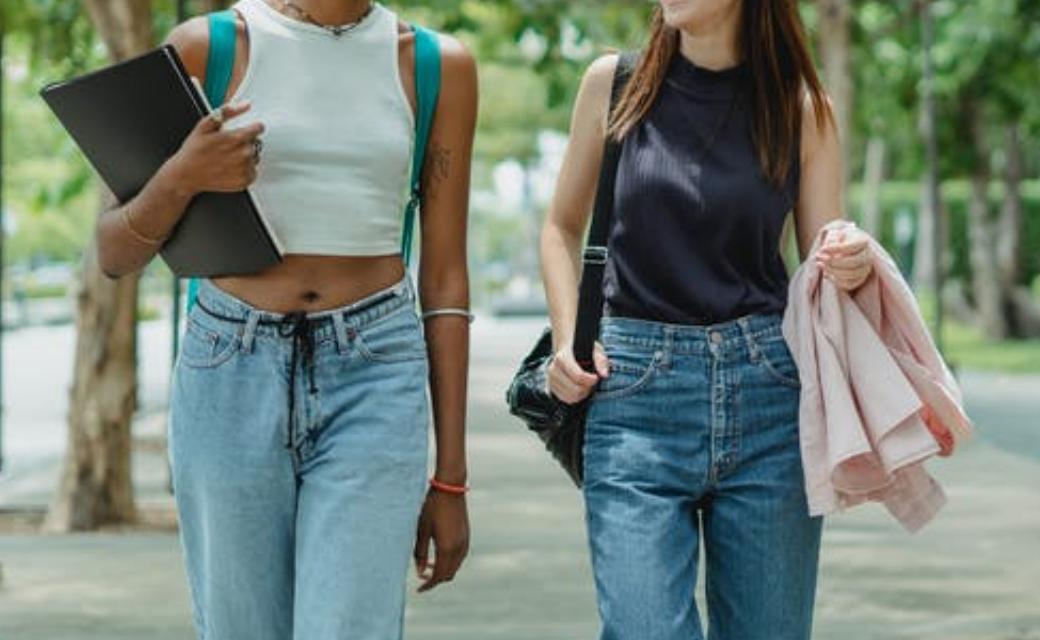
964 347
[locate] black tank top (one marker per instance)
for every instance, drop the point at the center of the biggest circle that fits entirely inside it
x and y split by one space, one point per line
696 231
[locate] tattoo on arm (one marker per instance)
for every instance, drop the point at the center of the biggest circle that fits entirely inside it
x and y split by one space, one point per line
436 167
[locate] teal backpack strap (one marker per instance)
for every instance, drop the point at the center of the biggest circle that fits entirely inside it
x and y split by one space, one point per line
427 89
219 65
221 60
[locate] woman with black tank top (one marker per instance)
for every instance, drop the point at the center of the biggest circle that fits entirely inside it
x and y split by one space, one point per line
692 434
302 395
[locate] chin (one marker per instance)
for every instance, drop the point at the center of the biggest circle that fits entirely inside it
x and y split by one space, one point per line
690 14
678 13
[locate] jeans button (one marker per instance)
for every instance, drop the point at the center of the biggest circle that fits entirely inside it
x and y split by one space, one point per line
716 337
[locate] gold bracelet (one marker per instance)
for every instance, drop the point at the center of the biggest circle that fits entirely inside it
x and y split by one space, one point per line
137 235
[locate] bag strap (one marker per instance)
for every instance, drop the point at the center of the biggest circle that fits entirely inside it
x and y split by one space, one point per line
221 62
427 91
594 260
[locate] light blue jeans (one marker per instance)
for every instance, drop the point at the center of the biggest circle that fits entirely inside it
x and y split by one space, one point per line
299 450
694 438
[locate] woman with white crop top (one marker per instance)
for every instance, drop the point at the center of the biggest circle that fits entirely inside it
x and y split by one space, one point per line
299 409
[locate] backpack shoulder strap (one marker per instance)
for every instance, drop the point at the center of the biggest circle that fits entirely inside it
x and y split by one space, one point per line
219 65
427 90
221 60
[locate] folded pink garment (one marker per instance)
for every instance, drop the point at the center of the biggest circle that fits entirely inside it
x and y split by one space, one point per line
877 399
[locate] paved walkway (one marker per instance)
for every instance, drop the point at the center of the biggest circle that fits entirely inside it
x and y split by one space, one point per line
974 574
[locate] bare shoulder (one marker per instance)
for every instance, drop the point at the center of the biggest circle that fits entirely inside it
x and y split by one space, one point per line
596 84
819 137
599 79
600 74
191 40
458 64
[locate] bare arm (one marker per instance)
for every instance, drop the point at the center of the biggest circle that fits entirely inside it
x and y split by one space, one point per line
444 285
130 234
845 258
565 223
819 200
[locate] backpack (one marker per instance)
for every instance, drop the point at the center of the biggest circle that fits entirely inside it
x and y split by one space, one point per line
219 65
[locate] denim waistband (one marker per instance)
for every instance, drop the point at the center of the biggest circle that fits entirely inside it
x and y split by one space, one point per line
691 338
303 330
323 324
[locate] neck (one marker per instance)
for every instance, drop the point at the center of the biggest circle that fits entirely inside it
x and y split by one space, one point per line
712 49
333 12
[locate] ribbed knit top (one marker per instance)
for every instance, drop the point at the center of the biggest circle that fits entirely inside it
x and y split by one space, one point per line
333 175
696 234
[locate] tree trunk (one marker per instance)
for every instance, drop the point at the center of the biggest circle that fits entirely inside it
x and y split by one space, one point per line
985 276
125 26
873 179
95 487
1009 238
833 42
1021 314
207 6
932 228
925 268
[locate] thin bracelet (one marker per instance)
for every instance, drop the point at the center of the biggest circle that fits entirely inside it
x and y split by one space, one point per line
448 311
453 489
137 235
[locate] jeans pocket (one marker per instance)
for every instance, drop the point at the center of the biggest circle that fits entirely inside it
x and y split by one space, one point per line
206 347
630 371
772 355
396 338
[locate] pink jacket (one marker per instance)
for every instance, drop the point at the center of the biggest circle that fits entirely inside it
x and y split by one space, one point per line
877 400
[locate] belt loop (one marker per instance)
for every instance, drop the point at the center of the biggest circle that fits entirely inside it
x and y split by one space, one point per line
342 339
249 331
749 338
667 346
406 287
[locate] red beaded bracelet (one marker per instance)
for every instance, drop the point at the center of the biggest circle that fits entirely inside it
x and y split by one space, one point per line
448 488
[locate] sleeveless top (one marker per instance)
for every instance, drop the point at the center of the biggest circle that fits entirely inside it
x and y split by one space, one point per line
333 175
697 225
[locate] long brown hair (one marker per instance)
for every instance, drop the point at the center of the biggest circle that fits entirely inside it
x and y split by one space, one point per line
781 74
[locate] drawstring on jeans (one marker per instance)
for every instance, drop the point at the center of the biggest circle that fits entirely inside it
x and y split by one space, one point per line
300 328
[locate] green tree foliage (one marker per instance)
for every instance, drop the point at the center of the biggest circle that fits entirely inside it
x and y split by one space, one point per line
987 52
532 55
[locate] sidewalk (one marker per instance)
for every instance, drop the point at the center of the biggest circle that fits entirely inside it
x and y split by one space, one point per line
974 574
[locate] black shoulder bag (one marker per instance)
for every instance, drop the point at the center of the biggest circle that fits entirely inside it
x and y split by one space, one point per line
561 426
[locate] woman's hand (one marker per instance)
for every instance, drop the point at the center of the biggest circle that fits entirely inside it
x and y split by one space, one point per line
845 258
219 160
568 381
444 521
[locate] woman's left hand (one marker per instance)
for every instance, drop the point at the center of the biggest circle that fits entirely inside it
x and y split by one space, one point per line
845 258
444 521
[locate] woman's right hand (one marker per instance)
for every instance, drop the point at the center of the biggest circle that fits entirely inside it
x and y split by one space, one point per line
215 159
568 381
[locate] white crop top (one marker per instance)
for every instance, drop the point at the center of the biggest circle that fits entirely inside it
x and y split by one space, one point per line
337 146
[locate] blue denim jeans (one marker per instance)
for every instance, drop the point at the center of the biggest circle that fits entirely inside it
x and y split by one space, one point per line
299 451
694 439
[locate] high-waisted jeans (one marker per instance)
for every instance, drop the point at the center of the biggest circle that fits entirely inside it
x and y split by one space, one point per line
694 439
298 446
